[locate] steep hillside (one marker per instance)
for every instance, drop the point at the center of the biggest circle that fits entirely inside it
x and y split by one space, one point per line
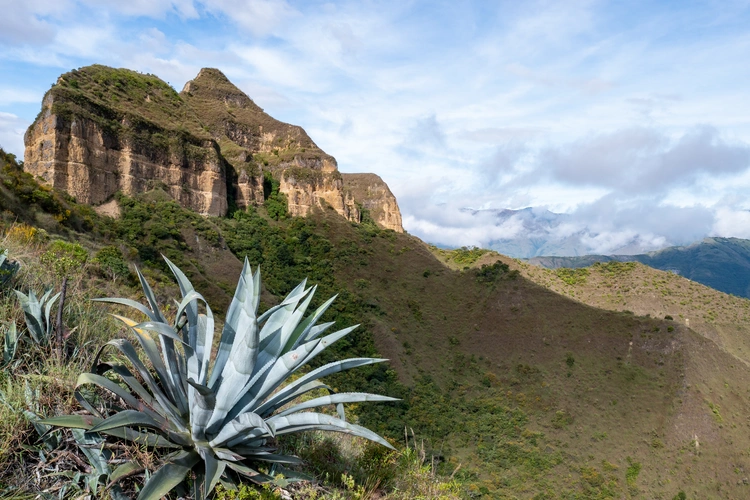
721 263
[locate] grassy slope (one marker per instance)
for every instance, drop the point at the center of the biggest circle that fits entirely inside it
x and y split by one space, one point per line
532 392
631 388
721 263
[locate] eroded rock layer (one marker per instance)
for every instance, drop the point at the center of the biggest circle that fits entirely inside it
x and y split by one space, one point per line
103 130
374 195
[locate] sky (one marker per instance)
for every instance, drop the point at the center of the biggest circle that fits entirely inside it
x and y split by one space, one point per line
632 117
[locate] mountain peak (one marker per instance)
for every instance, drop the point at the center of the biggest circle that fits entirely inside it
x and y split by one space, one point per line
211 83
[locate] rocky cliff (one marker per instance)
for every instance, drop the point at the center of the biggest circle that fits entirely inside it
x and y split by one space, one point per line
103 130
374 195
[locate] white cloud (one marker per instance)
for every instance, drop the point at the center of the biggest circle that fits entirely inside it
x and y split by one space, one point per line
12 129
25 22
15 95
260 17
731 223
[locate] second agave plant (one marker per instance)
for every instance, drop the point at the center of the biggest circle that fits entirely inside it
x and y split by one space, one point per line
216 415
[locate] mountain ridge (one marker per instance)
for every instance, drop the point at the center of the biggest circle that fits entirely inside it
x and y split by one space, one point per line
534 231
103 130
721 263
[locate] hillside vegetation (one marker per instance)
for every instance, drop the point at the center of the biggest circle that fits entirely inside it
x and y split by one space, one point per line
512 386
721 263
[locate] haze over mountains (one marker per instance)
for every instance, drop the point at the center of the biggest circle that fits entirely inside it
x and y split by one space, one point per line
534 232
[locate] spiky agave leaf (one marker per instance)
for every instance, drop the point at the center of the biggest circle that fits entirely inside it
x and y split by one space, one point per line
218 413
11 343
37 314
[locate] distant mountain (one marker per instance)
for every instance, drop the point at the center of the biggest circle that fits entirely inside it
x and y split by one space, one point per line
721 263
533 232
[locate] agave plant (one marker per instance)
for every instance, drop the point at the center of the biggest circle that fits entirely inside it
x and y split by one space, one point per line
217 415
37 314
10 344
8 268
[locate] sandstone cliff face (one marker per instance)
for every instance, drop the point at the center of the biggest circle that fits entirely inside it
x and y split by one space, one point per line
306 189
78 157
255 143
103 130
374 195
92 149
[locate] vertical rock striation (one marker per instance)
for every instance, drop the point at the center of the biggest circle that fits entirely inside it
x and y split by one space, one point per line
103 130
374 195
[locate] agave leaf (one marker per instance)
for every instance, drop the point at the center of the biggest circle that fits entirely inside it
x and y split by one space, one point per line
241 424
241 368
202 404
157 327
32 312
240 323
214 470
231 405
123 470
169 475
130 418
253 454
189 364
312 421
130 303
294 389
317 330
11 343
289 475
300 333
291 362
167 338
87 444
206 338
176 394
128 377
279 372
119 391
279 317
336 399
330 339
192 310
165 406
241 312
253 475
290 326
48 310
72 421
88 421
151 298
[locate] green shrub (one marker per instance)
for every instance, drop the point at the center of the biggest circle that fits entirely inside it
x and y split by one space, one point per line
112 263
64 259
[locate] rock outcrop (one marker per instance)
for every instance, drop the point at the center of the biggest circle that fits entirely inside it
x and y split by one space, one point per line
92 150
374 195
103 130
